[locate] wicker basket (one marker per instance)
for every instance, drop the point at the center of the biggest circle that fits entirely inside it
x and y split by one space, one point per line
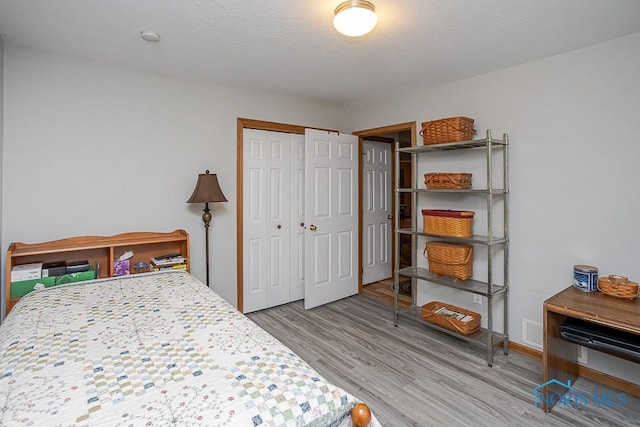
451 317
450 259
448 222
618 286
452 129
452 181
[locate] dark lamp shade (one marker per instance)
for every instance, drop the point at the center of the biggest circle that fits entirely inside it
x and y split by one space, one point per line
207 189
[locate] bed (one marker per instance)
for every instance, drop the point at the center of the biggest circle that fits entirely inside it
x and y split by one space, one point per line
153 349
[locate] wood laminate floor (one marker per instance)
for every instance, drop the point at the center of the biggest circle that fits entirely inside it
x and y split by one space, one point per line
415 376
383 292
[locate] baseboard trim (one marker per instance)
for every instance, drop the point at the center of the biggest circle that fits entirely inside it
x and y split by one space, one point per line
525 350
597 376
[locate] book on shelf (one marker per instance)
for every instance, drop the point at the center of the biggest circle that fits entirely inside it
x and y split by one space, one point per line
168 260
182 266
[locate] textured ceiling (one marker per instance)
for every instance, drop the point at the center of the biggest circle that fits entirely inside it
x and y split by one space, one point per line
290 46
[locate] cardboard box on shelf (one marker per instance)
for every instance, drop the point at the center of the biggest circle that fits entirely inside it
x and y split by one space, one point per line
26 272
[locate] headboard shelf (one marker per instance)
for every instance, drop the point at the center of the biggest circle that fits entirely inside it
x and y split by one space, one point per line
102 250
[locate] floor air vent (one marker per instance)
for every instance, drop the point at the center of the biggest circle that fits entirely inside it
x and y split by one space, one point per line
532 333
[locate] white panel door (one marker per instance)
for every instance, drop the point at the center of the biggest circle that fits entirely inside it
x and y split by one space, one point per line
376 212
331 217
266 219
296 263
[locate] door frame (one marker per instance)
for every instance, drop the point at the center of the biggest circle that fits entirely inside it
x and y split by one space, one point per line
389 141
374 135
244 123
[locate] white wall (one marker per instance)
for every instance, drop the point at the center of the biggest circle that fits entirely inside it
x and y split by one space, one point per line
573 126
96 149
93 149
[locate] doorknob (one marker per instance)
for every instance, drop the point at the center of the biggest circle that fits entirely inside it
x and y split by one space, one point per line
312 227
389 216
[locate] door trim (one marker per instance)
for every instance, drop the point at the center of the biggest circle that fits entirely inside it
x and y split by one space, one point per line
243 123
371 134
389 141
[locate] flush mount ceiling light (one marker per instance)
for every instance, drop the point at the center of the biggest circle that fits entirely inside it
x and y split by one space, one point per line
150 36
355 17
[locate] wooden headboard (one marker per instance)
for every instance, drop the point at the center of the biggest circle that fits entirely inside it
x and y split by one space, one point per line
98 250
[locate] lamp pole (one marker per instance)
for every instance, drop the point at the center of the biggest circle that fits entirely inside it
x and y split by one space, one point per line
206 218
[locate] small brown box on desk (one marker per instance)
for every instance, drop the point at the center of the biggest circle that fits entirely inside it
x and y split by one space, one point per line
618 286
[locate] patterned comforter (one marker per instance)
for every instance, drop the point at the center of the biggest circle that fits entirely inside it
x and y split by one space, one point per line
153 349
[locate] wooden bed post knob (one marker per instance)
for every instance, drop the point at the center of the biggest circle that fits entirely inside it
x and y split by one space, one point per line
360 415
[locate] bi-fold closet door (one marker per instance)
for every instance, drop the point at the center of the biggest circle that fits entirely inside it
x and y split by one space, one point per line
273 218
300 218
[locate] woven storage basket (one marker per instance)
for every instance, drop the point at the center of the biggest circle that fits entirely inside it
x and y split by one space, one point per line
448 222
452 129
456 181
617 286
451 317
450 259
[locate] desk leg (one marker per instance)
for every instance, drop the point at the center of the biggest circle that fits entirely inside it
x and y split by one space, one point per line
559 360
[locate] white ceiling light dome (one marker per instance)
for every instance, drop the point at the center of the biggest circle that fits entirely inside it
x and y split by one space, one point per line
355 17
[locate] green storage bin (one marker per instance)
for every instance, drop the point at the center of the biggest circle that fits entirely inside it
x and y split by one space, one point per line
75 277
23 287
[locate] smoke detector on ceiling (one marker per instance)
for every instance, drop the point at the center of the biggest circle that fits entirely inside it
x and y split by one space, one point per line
150 36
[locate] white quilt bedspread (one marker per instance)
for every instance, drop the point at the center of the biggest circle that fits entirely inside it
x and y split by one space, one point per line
154 349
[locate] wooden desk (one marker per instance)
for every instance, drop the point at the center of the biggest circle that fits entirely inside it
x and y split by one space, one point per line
559 355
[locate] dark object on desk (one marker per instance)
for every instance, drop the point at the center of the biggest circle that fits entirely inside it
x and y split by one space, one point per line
603 338
77 266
